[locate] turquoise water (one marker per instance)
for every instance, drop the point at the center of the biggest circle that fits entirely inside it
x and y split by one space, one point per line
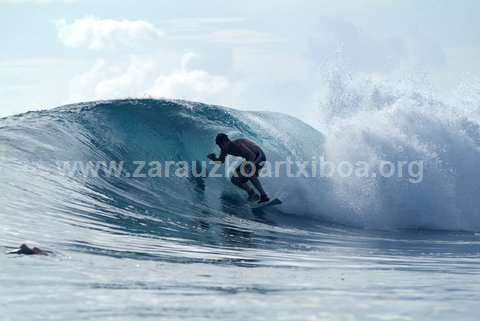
191 249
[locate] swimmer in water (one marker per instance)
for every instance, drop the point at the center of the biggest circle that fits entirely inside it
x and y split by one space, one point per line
25 250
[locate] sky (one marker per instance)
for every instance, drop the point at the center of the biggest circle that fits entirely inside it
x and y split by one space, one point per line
251 55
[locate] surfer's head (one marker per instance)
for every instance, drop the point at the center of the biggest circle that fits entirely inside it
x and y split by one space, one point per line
222 140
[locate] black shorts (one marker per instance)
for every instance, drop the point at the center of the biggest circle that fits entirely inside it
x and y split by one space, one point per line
247 170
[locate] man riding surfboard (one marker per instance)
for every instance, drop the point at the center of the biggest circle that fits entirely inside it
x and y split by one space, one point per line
247 171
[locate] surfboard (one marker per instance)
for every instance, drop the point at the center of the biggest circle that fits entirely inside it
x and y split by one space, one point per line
272 202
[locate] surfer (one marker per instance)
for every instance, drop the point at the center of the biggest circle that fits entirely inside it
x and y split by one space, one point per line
25 250
248 170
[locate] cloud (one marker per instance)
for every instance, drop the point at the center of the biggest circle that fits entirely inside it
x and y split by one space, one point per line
94 33
142 77
108 80
189 84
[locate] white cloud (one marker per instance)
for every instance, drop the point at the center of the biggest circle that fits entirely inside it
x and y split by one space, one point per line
189 84
94 33
143 77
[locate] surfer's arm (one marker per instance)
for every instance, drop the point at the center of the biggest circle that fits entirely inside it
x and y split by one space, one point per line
220 158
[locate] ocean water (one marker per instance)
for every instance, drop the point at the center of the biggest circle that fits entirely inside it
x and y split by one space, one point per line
183 248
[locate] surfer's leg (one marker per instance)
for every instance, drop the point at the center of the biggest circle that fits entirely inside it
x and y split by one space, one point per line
240 181
252 196
256 183
263 196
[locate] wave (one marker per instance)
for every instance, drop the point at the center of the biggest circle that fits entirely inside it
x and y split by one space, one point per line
36 193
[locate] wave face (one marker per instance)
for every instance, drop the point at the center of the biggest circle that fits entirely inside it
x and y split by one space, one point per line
35 193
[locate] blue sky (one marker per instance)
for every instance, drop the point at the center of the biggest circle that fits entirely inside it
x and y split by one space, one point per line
269 55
